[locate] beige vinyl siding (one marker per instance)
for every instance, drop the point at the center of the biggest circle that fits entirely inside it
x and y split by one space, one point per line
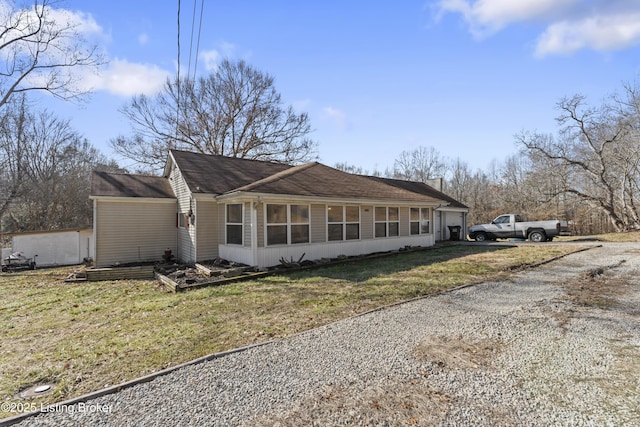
186 250
180 189
207 230
366 222
134 231
404 221
318 223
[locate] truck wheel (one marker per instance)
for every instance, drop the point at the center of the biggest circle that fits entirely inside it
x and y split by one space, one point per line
537 236
480 237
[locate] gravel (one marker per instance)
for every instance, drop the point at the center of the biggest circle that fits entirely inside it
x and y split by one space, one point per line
517 352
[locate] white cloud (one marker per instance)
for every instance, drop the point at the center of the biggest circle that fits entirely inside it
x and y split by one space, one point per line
84 23
211 59
143 39
485 17
335 116
125 78
603 33
570 25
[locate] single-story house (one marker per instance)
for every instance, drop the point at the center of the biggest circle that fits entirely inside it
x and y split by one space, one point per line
256 212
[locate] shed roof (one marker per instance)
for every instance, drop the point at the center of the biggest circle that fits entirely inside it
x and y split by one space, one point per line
109 184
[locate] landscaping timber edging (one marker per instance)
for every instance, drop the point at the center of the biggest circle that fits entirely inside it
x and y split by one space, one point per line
174 286
119 273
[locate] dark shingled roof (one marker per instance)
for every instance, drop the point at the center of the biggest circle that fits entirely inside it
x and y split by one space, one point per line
218 175
206 173
316 179
128 185
421 188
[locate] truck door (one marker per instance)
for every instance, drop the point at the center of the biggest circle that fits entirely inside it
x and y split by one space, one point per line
504 227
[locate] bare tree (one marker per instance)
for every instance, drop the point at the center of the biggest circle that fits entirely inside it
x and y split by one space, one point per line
459 180
13 152
45 170
235 111
421 164
40 48
597 152
346 167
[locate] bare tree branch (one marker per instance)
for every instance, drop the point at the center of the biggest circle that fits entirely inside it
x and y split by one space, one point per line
40 50
234 112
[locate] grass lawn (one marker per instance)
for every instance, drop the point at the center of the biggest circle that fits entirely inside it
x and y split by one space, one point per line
84 336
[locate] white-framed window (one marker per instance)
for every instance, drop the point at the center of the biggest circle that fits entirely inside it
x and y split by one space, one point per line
387 221
287 224
234 216
419 221
183 220
299 218
343 222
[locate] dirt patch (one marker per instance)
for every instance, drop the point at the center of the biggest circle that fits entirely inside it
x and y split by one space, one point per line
604 288
399 403
457 352
412 403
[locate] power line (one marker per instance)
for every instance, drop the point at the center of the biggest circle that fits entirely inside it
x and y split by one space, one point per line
178 40
195 66
178 77
193 26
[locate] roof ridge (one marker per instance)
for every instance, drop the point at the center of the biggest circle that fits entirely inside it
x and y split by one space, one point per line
276 176
128 174
222 156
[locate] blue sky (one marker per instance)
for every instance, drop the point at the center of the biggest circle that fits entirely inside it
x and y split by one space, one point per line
377 78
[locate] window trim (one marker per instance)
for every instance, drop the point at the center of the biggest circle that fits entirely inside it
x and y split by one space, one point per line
386 222
289 224
344 222
421 219
227 224
183 220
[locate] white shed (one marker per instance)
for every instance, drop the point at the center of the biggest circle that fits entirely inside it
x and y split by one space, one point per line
58 247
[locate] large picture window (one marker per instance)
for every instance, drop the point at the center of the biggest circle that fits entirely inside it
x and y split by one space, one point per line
387 221
287 224
234 224
343 223
419 221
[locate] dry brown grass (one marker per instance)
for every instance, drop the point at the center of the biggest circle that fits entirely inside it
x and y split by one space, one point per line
458 352
397 403
606 289
411 403
81 337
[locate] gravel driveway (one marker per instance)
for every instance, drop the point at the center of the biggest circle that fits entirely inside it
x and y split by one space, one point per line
556 345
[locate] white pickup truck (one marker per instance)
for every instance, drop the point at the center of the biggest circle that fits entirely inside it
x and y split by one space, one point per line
513 226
